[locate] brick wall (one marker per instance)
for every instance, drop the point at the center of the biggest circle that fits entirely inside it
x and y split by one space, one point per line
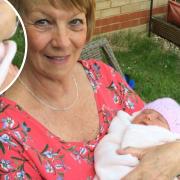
114 15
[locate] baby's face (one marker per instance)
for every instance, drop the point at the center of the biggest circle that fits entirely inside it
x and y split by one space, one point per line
7 20
150 117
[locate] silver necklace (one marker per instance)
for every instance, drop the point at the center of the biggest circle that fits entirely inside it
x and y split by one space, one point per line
43 102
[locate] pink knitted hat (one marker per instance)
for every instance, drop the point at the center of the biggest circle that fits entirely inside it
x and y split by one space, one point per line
169 109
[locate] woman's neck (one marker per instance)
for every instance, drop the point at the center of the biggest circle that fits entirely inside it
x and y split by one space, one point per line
58 92
45 85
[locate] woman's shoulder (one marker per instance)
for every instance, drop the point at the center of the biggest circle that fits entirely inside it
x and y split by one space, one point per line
8 110
94 62
5 103
4 100
109 83
100 68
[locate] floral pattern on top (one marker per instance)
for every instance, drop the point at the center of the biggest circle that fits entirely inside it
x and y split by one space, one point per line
29 151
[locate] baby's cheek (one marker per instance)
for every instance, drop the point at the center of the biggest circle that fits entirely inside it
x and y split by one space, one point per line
165 123
138 119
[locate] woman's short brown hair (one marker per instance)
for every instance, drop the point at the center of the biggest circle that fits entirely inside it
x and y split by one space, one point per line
86 6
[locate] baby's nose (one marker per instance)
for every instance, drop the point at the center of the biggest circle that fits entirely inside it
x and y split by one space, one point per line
148 117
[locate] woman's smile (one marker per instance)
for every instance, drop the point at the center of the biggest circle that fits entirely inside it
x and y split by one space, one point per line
58 59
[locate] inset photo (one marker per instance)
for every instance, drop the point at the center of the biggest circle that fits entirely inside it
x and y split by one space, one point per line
13 45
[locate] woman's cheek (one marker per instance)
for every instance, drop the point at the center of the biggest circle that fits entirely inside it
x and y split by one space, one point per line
37 40
80 37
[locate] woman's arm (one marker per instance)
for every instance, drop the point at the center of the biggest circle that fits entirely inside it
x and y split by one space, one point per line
161 162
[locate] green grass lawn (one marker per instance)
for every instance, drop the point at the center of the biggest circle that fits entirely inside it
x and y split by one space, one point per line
155 69
20 41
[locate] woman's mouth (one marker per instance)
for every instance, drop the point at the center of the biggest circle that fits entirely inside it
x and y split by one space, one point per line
58 59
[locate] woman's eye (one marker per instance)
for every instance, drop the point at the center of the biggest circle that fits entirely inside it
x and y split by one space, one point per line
76 22
42 22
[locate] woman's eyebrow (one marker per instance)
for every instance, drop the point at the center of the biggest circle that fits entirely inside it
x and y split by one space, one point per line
50 13
79 13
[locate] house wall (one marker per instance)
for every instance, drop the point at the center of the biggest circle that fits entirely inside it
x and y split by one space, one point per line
115 15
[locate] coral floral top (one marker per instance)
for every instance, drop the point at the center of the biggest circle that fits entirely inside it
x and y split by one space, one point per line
30 151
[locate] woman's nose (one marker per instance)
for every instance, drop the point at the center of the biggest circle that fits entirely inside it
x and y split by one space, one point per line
61 38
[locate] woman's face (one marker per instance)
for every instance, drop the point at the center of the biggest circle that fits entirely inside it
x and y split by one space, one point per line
151 117
55 38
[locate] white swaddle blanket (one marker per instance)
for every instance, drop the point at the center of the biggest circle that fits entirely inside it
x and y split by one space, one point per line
7 53
111 166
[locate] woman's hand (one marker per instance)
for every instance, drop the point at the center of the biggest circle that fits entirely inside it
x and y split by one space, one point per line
161 162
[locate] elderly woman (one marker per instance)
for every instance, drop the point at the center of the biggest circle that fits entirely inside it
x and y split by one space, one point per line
53 117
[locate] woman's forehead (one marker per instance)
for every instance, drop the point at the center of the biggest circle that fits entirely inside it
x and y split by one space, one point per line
58 4
66 4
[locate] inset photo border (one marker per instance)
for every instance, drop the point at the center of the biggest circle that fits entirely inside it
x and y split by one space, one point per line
13 45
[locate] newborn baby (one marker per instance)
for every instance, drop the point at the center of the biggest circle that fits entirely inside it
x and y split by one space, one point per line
157 123
8 26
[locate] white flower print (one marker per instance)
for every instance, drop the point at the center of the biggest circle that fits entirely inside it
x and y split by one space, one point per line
5 164
113 86
49 168
17 134
49 154
7 122
126 90
61 165
20 175
82 151
6 139
129 104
